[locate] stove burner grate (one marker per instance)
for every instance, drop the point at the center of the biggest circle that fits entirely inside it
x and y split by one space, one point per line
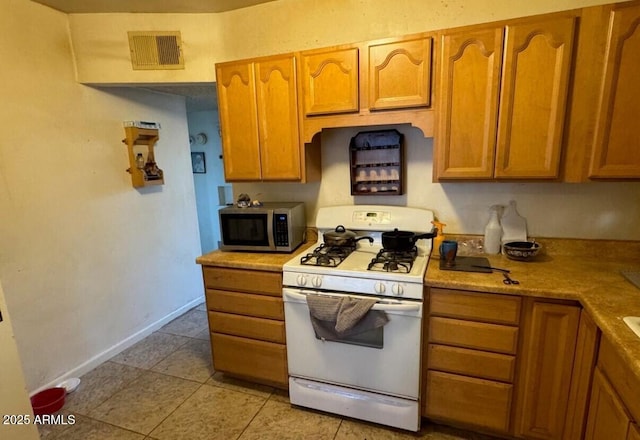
393 261
328 256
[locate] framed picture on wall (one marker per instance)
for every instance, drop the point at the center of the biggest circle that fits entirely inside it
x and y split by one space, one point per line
198 163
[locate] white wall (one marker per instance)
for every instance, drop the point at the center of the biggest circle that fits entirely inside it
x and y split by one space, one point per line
14 400
206 185
590 210
86 260
102 49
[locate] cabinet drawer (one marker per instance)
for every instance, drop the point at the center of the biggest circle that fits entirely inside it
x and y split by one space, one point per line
262 283
247 326
476 335
251 359
467 400
500 309
468 362
259 306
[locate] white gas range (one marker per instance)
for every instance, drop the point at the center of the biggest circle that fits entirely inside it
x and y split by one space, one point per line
373 374
355 273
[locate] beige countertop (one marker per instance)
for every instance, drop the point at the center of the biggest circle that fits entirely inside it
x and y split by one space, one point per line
586 271
271 262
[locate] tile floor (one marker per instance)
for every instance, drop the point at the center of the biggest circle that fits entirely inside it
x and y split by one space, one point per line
165 388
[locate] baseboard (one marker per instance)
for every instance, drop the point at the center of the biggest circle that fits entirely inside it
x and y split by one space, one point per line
98 359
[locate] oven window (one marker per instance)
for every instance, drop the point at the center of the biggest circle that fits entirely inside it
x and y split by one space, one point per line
371 338
244 229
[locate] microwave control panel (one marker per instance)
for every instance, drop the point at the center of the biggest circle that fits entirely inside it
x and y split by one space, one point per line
281 229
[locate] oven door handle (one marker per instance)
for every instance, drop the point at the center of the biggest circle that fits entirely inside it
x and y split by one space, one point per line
391 307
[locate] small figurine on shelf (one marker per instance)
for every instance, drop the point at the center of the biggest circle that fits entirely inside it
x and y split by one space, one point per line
151 170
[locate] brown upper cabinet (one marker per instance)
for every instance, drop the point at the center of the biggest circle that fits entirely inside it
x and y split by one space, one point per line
258 108
605 98
616 145
330 81
502 95
400 74
543 98
371 83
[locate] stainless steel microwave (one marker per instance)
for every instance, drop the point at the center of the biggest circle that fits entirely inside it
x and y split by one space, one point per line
272 227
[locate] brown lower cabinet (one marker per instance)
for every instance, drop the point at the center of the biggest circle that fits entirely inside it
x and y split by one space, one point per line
250 358
608 418
472 345
521 367
546 364
509 365
614 407
246 320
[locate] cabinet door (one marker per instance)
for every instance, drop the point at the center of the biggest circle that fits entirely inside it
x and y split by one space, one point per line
278 118
634 433
616 152
548 349
469 81
583 365
238 120
535 81
400 74
330 81
608 419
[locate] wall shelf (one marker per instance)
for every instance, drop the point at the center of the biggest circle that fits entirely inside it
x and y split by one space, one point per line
142 163
377 163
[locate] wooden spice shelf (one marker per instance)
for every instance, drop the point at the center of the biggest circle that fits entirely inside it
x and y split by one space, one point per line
143 168
377 163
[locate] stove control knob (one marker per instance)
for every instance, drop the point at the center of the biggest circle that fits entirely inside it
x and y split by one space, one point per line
397 289
301 280
316 281
379 287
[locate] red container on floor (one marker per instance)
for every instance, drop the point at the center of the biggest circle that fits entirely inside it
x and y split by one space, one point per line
48 401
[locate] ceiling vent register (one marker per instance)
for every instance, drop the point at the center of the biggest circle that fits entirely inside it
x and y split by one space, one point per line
151 50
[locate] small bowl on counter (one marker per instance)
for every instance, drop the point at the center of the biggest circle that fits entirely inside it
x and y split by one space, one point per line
521 250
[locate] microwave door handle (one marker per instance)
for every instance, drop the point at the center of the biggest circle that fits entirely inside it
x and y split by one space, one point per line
270 233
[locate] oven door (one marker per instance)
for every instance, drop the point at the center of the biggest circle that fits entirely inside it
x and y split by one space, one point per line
387 363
